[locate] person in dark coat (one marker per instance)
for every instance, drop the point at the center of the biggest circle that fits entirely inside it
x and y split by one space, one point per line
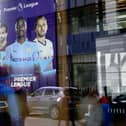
67 107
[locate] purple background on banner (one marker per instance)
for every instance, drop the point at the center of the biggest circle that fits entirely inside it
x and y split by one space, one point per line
10 12
30 9
27 8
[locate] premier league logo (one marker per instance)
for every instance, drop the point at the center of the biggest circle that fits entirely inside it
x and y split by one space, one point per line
20 7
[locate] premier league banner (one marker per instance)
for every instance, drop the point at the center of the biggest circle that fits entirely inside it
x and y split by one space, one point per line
28 43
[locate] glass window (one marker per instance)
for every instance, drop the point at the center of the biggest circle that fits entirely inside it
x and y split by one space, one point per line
37 93
84 74
56 91
48 92
82 19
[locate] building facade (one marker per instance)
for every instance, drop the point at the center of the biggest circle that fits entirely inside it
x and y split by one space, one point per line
91 34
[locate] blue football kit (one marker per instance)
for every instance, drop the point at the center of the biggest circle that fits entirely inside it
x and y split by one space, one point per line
22 57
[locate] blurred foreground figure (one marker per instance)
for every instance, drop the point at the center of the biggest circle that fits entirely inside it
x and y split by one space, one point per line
94 110
68 108
9 114
105 102
106 106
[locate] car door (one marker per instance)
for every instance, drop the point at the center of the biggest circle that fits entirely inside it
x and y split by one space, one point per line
46 99
34 101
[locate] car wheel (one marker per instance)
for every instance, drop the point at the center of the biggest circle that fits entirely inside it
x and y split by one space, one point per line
54 112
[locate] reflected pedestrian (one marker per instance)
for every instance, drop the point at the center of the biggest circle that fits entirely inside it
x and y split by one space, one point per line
12 117
67 107
95 111
106 106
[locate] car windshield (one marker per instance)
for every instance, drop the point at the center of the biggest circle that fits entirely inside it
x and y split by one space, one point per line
2 104
59 92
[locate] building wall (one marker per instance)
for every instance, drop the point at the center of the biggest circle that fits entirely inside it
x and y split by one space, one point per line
74 36
87 21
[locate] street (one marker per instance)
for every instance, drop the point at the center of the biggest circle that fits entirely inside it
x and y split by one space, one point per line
46 121
39 121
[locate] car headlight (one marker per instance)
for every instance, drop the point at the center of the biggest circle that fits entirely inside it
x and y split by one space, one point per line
114 102
58 99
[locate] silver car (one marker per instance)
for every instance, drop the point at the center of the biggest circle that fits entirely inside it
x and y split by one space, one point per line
45 100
